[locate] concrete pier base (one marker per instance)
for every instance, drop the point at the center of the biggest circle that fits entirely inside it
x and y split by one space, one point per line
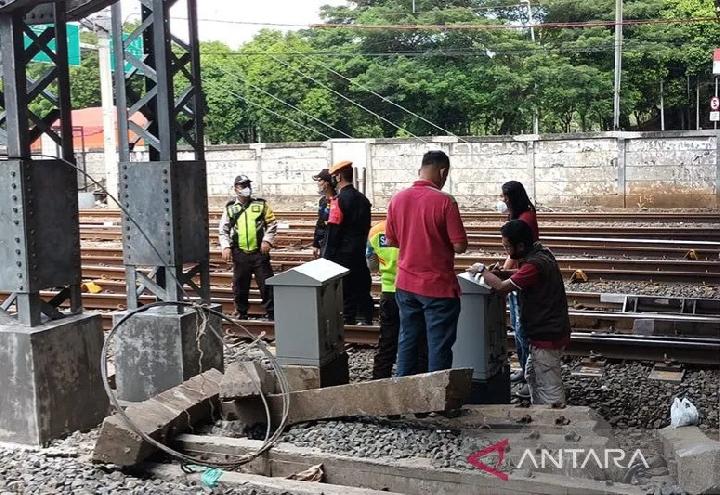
159 349
50 383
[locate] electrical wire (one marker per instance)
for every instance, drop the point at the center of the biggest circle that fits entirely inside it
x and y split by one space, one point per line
386 100
634 47
472 26
202 311
349 100
273 112
301 111
494 27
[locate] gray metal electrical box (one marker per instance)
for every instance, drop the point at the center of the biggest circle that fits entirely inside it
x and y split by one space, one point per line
308 313
482 341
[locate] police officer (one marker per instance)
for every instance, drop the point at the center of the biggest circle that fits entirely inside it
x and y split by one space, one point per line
327 192
347 233
247 231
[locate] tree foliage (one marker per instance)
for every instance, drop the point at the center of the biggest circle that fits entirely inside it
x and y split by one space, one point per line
297 86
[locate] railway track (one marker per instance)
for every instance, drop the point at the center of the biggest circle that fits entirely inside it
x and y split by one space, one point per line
589 246
302 233
109 214
96 259
584 342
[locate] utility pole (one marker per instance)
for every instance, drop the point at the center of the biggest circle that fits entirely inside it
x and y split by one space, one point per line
532 37
102 30
618 62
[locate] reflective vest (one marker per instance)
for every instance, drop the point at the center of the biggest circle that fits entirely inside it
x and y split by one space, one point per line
247 223
387 256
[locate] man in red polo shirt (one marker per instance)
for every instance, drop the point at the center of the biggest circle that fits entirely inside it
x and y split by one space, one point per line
543 309
425 224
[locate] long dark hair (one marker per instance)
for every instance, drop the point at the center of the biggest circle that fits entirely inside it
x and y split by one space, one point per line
518 198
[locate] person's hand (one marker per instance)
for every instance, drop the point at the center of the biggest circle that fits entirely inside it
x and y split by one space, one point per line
227 254
265 247
476 268
495 268
316 252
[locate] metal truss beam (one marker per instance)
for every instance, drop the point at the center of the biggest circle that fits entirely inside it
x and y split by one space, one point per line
166 226
39 227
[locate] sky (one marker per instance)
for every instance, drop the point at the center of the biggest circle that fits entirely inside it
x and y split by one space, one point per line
272 11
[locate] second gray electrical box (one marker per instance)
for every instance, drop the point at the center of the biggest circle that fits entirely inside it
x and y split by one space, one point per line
308 313
481 336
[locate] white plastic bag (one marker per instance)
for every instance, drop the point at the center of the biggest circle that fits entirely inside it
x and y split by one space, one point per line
683 413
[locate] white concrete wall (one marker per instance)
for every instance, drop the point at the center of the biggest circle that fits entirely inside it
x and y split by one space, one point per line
670 169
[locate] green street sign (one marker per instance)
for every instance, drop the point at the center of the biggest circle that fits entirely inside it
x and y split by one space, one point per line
73 42
136 48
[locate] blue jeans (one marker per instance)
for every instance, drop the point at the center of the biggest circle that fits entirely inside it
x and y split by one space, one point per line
521 342
437 317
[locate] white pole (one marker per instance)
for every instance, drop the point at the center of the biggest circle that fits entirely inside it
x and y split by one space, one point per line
618 62
108 110
536 124
716 95
662 105
697 104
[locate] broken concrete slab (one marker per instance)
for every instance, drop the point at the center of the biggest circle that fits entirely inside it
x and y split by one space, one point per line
697 458
162 417
232 479
300 377
438 391
410 476
246 379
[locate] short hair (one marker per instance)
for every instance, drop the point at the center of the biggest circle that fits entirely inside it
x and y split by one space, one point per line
437 159
347 174
517 231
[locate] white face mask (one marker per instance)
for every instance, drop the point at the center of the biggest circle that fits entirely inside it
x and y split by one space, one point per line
501 207
245 192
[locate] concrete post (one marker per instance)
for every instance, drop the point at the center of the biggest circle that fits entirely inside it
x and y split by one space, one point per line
620 161
717 170
531 186
258 187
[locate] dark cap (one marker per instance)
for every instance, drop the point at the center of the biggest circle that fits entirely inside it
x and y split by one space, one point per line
242 179
324 174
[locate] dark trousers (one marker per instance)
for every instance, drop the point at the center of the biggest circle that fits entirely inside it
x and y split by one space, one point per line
388 343
244 266
435 317
357 284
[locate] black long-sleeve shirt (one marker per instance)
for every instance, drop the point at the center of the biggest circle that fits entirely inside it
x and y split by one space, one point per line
348 228
321 224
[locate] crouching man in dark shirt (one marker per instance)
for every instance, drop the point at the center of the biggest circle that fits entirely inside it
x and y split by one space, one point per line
544 310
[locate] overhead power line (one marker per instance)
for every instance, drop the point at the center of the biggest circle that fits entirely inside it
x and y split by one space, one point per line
460 26
349 100
385 99
273 112
286 103
482 27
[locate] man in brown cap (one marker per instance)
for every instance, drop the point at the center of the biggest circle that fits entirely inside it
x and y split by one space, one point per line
347 232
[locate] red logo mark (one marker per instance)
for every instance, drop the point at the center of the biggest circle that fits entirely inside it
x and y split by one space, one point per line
499 448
